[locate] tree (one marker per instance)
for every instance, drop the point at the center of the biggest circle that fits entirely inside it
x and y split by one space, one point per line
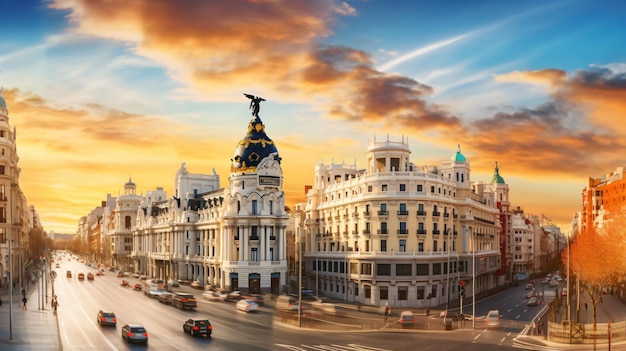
597 259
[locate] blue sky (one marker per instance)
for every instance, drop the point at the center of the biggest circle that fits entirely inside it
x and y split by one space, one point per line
100 90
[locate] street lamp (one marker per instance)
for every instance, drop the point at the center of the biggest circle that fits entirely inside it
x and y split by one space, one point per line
448 269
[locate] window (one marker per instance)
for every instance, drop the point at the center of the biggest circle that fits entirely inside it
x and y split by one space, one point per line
422 269
403 293
383 228
369 188
402 247
436 268
383 269
420 247
366 268
403 229
433 292
432 189
368 292
404 269
402 211
254 255
420 293
435 246
384 187
420 188
420 210
384 293
402 187
383 209
271 207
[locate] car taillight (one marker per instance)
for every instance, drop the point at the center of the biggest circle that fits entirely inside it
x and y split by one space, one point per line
115 320
185 300
195 327
211 327
130 334
145 334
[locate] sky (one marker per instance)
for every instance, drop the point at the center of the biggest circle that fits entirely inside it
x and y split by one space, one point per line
102 91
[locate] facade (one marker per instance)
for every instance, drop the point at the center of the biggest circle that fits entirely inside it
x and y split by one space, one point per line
19 222
234 238
396 233
602 198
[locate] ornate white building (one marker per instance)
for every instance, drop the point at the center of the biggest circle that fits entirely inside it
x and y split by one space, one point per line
233 238
397 233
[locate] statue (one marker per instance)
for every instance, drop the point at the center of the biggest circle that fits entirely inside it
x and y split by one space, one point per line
254 103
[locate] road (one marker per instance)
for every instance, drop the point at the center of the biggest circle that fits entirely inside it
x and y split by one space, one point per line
235 330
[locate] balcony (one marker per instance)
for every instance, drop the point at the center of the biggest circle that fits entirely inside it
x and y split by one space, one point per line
403 231
366 213
421 213
421 232
436 231
403 213
383 231
272 237
254 237
383 213
446 215
436 214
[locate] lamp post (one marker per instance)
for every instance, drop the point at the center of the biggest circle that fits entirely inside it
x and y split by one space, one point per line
473 279
448 270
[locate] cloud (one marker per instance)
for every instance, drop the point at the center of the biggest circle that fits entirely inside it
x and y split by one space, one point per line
344 9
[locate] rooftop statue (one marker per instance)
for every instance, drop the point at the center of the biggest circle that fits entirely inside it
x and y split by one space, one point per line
254 103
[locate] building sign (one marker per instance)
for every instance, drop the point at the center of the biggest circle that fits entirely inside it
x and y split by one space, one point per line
269 180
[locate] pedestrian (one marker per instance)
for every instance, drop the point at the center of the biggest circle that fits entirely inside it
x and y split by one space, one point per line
24 300
386 313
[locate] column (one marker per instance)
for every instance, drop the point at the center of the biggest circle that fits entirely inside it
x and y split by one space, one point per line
262 240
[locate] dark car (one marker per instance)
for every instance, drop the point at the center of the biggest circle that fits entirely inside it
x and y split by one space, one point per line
106 318
182 301
81 276
134 333
197 327
90 276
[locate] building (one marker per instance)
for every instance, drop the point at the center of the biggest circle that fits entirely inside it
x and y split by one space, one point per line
22 238
602 198
397 233
233 238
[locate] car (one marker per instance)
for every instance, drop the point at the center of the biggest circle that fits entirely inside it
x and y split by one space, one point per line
529 287
156 282
90 276
153 292
100 273
68 274
197 327
234 296
287 303
137 287
143 277
256 298
106 317
196 284
184 300
81 276
406 317
247 306
165 298
120 274
215 295
134 333
533 301
326 308
564 292
112 269
135 275
125 282
493 318
530 294
58 265
173 283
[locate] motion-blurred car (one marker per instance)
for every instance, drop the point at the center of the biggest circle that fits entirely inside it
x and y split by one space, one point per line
256 298
153 292
529 287
173 283
106 318
530 294
406 317
493 319
165 298
100 273
215 295
196 284
183 300
120 274
247 306
533 301
564 292
137 287
90 276
134 333
197 327
125 282
81 276
234 296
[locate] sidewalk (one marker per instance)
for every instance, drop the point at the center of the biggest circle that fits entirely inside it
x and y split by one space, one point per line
33 329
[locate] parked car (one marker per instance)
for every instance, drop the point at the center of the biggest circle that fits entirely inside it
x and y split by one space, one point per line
173 283
90 276
493 318
166 298
406 317
68 274
106 318
197 327
183 300
81 276
247 306
134 333
533 301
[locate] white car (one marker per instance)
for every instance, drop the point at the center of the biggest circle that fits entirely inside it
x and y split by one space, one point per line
215 295
247 306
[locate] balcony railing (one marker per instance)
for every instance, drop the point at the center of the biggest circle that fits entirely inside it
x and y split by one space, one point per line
421 231
421 213
366 231
403 213
403 231
254 237
366 213
383 213
383 231
436 231
446 214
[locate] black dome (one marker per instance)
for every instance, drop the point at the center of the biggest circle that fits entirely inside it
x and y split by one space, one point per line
253 148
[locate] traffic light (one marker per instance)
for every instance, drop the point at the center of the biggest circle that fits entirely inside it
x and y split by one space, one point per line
462 288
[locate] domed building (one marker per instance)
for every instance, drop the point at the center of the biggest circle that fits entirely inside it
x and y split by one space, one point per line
233 238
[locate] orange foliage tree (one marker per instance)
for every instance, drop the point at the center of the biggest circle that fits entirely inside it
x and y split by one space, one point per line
597 259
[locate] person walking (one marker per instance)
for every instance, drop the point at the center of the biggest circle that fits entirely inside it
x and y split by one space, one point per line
24 300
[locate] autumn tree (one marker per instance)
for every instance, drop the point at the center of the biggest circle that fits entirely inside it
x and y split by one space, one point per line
597 258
